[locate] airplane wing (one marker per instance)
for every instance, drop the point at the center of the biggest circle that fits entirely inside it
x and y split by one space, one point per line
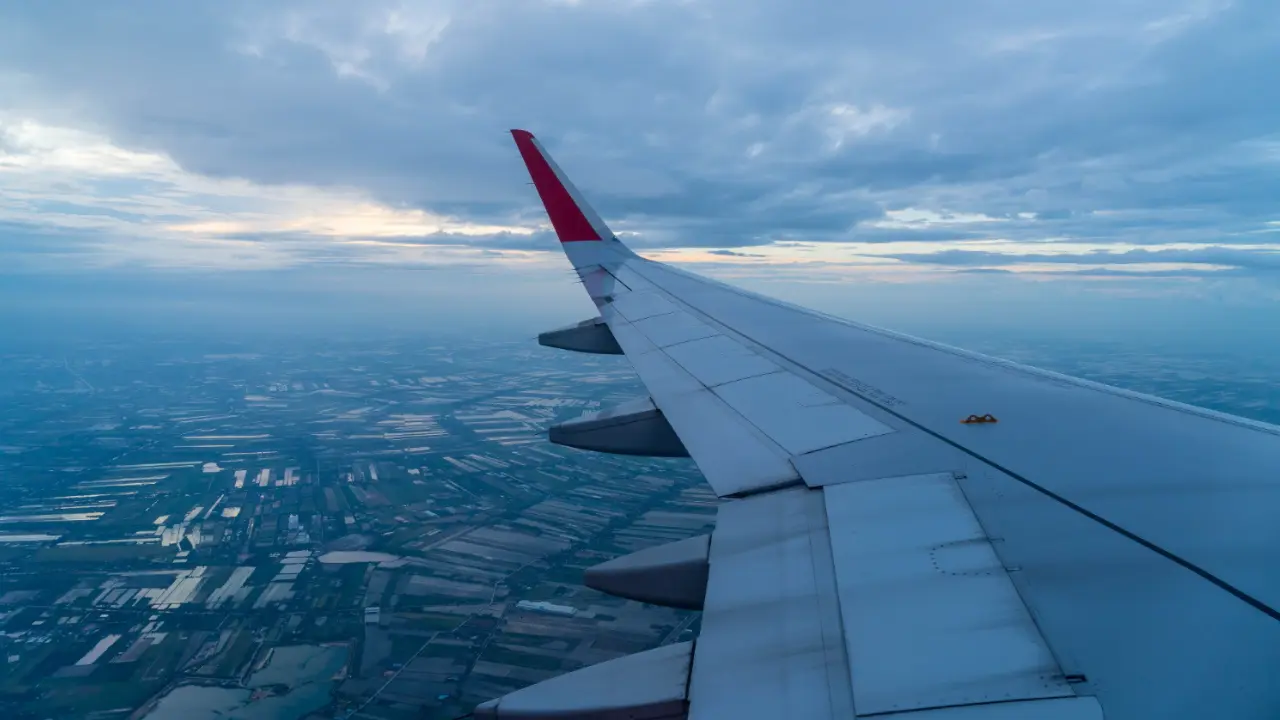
910 530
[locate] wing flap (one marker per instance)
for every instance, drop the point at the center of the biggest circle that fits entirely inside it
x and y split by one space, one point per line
770 645
1075 708
931 618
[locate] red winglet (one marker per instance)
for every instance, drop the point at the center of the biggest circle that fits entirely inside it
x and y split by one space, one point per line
566 217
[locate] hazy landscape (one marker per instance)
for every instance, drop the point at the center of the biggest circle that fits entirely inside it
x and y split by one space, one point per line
197 527
177 519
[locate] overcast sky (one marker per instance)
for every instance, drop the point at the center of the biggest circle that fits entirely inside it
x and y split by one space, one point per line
1131 147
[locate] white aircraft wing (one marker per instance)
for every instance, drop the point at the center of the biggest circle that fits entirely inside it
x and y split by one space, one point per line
911 530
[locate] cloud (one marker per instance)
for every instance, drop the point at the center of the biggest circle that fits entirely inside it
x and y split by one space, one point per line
21 242
75 188
228 131
1259 259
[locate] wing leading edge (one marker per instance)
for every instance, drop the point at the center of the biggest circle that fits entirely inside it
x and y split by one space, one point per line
1094 552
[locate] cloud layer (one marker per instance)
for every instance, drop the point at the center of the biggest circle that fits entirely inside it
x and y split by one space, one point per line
246 134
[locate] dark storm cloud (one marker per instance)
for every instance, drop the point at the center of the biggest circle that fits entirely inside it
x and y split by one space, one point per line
718 123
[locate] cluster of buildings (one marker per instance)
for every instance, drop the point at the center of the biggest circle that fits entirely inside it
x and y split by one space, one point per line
210 508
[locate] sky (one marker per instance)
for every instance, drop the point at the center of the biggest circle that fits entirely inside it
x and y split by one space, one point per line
1066 162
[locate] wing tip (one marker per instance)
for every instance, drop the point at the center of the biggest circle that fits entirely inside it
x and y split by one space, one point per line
568 213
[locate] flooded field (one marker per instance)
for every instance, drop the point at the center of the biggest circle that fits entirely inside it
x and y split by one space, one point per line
295 680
